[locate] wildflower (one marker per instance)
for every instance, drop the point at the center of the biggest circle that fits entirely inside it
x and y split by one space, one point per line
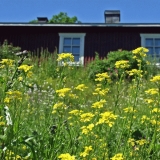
99 91
20 79
86 151
81 87
102 77
155 79
58 105
7 100
12 95
62 92
74 96
108 118
118 156
155 110
129 110
131 141
135 72
7 62
152 91
65 56
122 64
87 129
25 68
66 156
75 112
140 51
141 142
85 117
99 104
149 100
144 118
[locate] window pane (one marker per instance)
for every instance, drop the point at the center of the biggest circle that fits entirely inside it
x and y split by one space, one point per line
75 49
76 41
157 42
149 42
150 50
157 50
76 57
67 49
67 41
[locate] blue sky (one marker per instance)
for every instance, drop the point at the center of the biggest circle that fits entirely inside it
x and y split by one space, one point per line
87 11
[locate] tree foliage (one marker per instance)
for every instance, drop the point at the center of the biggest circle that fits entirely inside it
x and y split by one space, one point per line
62 17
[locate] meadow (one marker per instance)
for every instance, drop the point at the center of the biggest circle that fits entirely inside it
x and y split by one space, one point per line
51 110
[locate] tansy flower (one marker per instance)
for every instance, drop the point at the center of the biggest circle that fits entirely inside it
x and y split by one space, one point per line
81 87
86 151
152 91
102 77
118 156
87 129
85 117
65 56
7 62
135 72
155 79
25 68
140 52
62 92
122 64
66 156
129 110
99 104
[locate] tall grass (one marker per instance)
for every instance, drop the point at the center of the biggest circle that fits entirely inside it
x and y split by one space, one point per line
52 112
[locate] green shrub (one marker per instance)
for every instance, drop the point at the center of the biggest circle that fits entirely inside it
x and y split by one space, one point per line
7 51
108 64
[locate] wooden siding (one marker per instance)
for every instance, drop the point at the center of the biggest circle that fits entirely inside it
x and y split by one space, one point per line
97 39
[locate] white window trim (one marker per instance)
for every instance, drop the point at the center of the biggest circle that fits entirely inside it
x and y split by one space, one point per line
73 35
144 36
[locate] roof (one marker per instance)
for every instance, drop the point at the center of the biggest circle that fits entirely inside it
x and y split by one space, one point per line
84 24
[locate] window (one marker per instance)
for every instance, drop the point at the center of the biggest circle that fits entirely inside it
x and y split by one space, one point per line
152 42
73 43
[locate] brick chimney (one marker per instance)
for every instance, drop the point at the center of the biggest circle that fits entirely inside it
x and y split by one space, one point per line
112 16
42 19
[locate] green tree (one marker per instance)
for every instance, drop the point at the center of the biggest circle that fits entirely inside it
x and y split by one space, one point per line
62 17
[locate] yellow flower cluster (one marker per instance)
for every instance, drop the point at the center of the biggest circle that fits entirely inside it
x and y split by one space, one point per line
118 156
133 142
140 51
102 77
81 87
152 91
25 68
87 129
155 79
63 92
66 156
129 110
86 151
85 117
99 104
99 91
65 56
122 64
12 95
7 62
107 118
59 105
135 72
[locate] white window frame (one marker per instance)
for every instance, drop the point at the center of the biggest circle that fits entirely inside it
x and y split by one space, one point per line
149 35
73 35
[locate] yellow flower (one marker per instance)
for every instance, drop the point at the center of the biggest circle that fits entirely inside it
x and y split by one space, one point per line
140 51
25 68
135 72
7 62
155 79
81 87
85 117
118 156
66 156
102 77
65 56
99 104
99 91
62 92
129 110
20 79
75 112
141 142
107 118
131 141
87 129
122 64
155 110
152 91
59 105
86 151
